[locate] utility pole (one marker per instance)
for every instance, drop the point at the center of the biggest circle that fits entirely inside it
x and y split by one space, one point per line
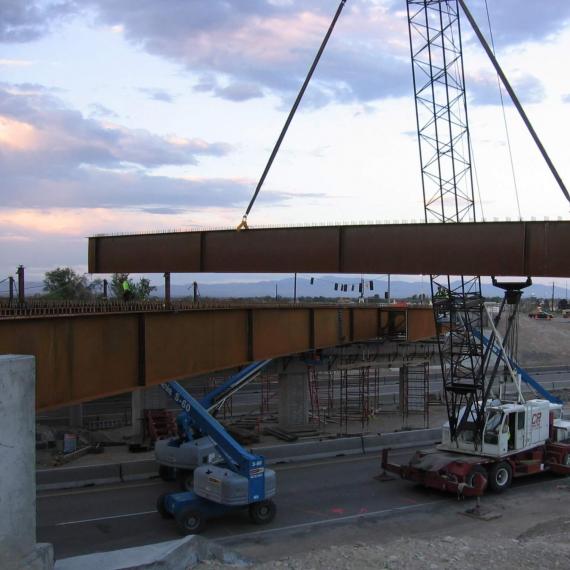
105 289
388 288
194 291
276 294
295 289
21 285
552 306
167 289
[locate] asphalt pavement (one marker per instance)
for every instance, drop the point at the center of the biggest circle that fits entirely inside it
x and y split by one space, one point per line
123 515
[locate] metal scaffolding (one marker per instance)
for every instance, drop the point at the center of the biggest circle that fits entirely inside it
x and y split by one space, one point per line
414 392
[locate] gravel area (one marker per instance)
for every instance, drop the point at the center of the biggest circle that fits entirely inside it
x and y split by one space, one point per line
531 531
437 554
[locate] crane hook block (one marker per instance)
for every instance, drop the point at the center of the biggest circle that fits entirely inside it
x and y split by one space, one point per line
243 225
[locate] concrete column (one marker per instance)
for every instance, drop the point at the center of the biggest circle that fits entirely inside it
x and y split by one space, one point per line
137 409
76 416
293 402
18 548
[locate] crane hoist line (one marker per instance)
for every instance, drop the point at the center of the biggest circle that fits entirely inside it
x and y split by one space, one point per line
243 224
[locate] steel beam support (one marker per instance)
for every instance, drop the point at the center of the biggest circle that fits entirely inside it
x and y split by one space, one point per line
539 249
83 357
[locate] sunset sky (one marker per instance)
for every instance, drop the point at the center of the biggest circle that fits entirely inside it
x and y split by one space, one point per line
140 115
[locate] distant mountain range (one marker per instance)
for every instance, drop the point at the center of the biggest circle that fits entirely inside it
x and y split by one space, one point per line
322 286
325 287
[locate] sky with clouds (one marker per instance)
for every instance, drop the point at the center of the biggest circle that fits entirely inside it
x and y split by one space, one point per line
138 115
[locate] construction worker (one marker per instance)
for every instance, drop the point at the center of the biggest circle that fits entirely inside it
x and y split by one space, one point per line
127 293
440 293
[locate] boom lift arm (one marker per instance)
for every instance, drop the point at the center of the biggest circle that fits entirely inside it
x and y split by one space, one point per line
241 481
192 447
236 382
237 458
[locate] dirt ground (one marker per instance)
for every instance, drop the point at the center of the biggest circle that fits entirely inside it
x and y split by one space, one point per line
532 532
544 342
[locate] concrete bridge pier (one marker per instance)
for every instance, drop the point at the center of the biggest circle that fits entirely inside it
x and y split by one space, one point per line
18 548
293 395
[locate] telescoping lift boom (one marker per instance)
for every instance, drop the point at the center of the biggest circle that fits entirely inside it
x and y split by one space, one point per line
240 481
192 448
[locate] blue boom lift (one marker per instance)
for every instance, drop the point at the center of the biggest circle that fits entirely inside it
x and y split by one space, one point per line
179 456
239 481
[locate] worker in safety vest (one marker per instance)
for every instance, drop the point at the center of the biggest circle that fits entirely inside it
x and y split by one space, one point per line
127 293
440 293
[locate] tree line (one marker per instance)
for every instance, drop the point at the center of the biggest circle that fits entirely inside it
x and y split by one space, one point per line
63 283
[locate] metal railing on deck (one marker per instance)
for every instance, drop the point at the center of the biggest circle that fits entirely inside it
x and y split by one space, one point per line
47 307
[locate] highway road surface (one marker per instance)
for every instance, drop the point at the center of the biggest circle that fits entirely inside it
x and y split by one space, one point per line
310 496
118 516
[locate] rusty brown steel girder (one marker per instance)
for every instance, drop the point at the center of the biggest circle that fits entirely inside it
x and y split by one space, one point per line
83 357
494 248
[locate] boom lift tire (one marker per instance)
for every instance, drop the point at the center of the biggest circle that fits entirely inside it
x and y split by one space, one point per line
262 512
500 476
190 521
160 507
471 478
185 479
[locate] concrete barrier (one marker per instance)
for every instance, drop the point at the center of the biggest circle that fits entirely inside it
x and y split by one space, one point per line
311 450
171 555
70 477
415 438
137 470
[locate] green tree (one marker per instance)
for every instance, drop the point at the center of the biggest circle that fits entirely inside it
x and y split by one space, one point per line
143 289
65 283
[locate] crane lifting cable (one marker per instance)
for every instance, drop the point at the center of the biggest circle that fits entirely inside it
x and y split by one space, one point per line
243 224
514 98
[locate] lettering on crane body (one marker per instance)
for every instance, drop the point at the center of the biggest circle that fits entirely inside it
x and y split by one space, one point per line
535 422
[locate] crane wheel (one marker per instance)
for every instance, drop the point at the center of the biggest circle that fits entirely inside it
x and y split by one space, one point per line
161 507
500 476
190 521
262 512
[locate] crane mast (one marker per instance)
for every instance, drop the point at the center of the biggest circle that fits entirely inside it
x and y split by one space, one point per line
447 184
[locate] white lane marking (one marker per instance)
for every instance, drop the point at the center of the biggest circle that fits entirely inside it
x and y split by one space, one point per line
98 489
325 521
107 518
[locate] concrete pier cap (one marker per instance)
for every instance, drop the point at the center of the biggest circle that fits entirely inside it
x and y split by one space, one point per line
18 548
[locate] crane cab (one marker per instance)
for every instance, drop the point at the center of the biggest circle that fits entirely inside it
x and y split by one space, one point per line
509 428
